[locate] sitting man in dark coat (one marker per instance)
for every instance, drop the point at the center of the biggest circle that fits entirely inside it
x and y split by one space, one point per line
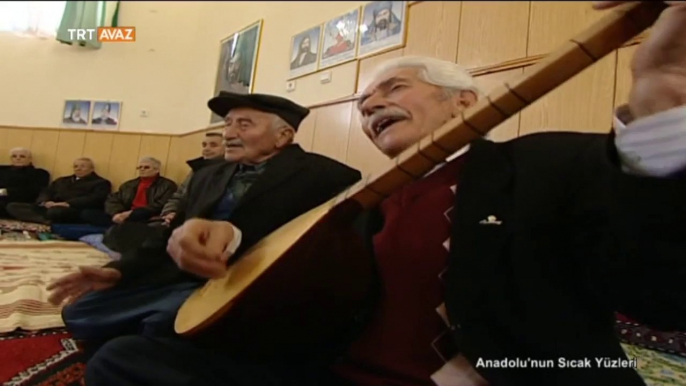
266 181
212 153
65 199
20 181
136 200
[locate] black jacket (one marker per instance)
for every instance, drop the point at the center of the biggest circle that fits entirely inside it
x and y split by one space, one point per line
195 164
23 184
293 183
579 240
157 194
88 192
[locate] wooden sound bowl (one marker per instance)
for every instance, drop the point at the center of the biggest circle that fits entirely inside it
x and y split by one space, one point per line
289 291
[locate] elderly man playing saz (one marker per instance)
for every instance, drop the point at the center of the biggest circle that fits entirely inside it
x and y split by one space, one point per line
508 250
265 181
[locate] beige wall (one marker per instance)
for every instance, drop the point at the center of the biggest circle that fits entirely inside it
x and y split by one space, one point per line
495 40
154 73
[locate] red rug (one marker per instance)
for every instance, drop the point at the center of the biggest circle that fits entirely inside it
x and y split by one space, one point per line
45 358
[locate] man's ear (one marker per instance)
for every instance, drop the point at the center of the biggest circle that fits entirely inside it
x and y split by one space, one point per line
284 137
465 99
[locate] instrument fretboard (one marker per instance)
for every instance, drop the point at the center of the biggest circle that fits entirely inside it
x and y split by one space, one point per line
620 25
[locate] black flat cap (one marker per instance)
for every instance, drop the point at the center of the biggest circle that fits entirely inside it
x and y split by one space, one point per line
286 109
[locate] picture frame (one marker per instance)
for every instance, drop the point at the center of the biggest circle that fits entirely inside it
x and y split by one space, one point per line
304 52
238 55
76 113
383 27
339 39
106 115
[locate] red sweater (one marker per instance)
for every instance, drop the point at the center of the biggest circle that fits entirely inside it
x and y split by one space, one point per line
408 340
141 199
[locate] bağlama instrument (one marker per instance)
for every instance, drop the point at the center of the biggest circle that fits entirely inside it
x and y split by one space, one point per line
288 292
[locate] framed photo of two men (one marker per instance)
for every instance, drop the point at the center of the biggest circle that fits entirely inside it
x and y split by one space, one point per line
83 114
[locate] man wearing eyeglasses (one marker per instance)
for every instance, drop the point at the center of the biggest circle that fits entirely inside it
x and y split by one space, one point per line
137 200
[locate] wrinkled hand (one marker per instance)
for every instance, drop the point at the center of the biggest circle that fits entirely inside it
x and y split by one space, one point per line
659 65
168 218
198 247
75 285
121 217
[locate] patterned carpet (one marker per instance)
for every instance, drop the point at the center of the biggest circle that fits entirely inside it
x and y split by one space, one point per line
26 267
45 358
49 357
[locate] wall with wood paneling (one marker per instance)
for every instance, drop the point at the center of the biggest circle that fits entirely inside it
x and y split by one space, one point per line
495 41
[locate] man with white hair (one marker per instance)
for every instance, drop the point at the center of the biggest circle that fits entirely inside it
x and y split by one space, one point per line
136 200
66 197
20 181
504 265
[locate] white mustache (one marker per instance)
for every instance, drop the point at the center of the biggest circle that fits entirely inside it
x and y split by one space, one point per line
233 143
389 112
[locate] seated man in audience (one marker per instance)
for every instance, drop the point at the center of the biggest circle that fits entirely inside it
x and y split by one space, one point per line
20 181
67 197
212 153
265 181
136 200
546 232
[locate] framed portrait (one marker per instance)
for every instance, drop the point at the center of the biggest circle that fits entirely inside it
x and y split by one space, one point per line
76 113
339 39
237 62
106 115
382 27
305 52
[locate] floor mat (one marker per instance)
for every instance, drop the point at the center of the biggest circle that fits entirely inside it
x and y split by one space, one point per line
26 268
45 358
52 358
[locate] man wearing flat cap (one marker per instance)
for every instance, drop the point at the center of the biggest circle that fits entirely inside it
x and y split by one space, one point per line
265 181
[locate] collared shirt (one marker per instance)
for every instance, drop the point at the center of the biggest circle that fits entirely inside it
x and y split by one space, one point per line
243 178
654 145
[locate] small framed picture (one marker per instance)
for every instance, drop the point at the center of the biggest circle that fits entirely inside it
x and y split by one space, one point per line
339 39
106 115
383 26
305 52
76 113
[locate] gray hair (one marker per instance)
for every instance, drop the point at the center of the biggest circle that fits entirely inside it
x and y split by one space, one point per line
152 160
447 75
21 150
278 123
90 161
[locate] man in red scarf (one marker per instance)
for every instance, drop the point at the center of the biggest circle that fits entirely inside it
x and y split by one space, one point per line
136 200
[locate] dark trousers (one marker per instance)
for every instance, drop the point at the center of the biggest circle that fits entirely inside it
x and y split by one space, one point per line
101 218
175 361
3 209
102 315
38 214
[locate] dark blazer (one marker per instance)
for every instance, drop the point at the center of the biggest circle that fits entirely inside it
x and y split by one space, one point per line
23 184
579 239
88 192
293 182
157 194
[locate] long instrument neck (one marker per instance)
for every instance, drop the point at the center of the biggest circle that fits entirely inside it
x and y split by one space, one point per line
608 34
